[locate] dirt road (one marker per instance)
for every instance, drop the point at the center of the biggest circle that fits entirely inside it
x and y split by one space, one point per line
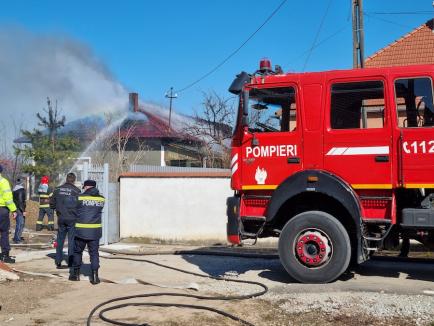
376 293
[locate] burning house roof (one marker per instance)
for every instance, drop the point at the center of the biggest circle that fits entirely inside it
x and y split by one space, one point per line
146 123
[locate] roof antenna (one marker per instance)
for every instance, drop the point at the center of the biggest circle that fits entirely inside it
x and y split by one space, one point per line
170 95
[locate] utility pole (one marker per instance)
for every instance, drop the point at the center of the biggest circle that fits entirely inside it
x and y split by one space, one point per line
358 34
170 96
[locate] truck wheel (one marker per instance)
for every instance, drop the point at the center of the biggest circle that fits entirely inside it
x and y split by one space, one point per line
314 247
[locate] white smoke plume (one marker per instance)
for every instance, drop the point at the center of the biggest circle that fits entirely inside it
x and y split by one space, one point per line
34 66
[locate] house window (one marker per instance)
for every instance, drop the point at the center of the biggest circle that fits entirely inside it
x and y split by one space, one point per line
357 105
180 163
414 102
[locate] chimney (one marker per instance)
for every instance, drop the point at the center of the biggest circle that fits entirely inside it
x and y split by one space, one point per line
134 102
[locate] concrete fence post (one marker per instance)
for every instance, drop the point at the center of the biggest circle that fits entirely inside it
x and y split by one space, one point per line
105 191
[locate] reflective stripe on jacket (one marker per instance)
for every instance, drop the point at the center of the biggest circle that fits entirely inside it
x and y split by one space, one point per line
44 199
89 211
6 198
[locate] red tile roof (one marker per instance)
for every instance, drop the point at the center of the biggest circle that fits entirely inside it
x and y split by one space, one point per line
7 164
150 127
416 47
153 126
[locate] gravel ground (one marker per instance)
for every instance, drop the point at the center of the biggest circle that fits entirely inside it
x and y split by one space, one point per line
26 294
380 307
419 309
376 293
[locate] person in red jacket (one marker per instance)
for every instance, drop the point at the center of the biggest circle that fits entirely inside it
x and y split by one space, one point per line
44 192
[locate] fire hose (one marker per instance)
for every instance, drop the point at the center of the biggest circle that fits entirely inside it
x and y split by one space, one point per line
102 312
212 252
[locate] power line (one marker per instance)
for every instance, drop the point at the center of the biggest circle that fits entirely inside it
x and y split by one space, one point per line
387 21
318 44
235 51
317 34
400 12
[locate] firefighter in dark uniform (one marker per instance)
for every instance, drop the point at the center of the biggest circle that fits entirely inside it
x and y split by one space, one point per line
44 193
88 230
64 201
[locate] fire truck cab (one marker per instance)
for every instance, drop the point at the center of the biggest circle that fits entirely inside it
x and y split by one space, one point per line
337 164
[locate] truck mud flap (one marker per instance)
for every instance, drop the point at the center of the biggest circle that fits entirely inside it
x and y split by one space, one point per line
233 214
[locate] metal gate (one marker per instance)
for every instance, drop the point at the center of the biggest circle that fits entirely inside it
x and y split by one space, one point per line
99 173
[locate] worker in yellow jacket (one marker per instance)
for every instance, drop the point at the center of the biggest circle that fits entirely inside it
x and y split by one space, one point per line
6 206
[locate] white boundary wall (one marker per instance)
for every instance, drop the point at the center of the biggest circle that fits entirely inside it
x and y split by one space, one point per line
174 208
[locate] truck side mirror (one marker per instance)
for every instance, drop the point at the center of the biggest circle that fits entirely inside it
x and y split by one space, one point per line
245 120
238 83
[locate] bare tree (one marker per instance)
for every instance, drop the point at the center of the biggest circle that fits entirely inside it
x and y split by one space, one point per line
9 157
4 139
122 147
213 128
52 121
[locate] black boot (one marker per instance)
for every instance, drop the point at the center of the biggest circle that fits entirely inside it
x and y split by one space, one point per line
94 279
74 275
7 259
38 227
60 266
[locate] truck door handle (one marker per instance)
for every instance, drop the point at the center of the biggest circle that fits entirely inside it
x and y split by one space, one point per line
293 160
382 158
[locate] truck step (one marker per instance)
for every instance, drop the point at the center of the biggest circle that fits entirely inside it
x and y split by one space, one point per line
378 220
373 239
249 235
375 197
256 197
380 239
253 218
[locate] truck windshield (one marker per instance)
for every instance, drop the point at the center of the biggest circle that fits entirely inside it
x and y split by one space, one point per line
272 109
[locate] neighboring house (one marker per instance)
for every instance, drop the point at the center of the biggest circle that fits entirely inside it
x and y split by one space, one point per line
162 144
414 48
142 137
8 166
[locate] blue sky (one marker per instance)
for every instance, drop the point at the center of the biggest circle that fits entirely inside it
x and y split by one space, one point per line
152 45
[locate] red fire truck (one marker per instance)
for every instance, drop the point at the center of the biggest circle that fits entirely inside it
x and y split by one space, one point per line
337 164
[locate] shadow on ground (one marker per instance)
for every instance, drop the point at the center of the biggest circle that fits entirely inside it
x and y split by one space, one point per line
271 268
84 269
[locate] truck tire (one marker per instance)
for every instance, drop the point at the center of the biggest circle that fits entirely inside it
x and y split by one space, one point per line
314 247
